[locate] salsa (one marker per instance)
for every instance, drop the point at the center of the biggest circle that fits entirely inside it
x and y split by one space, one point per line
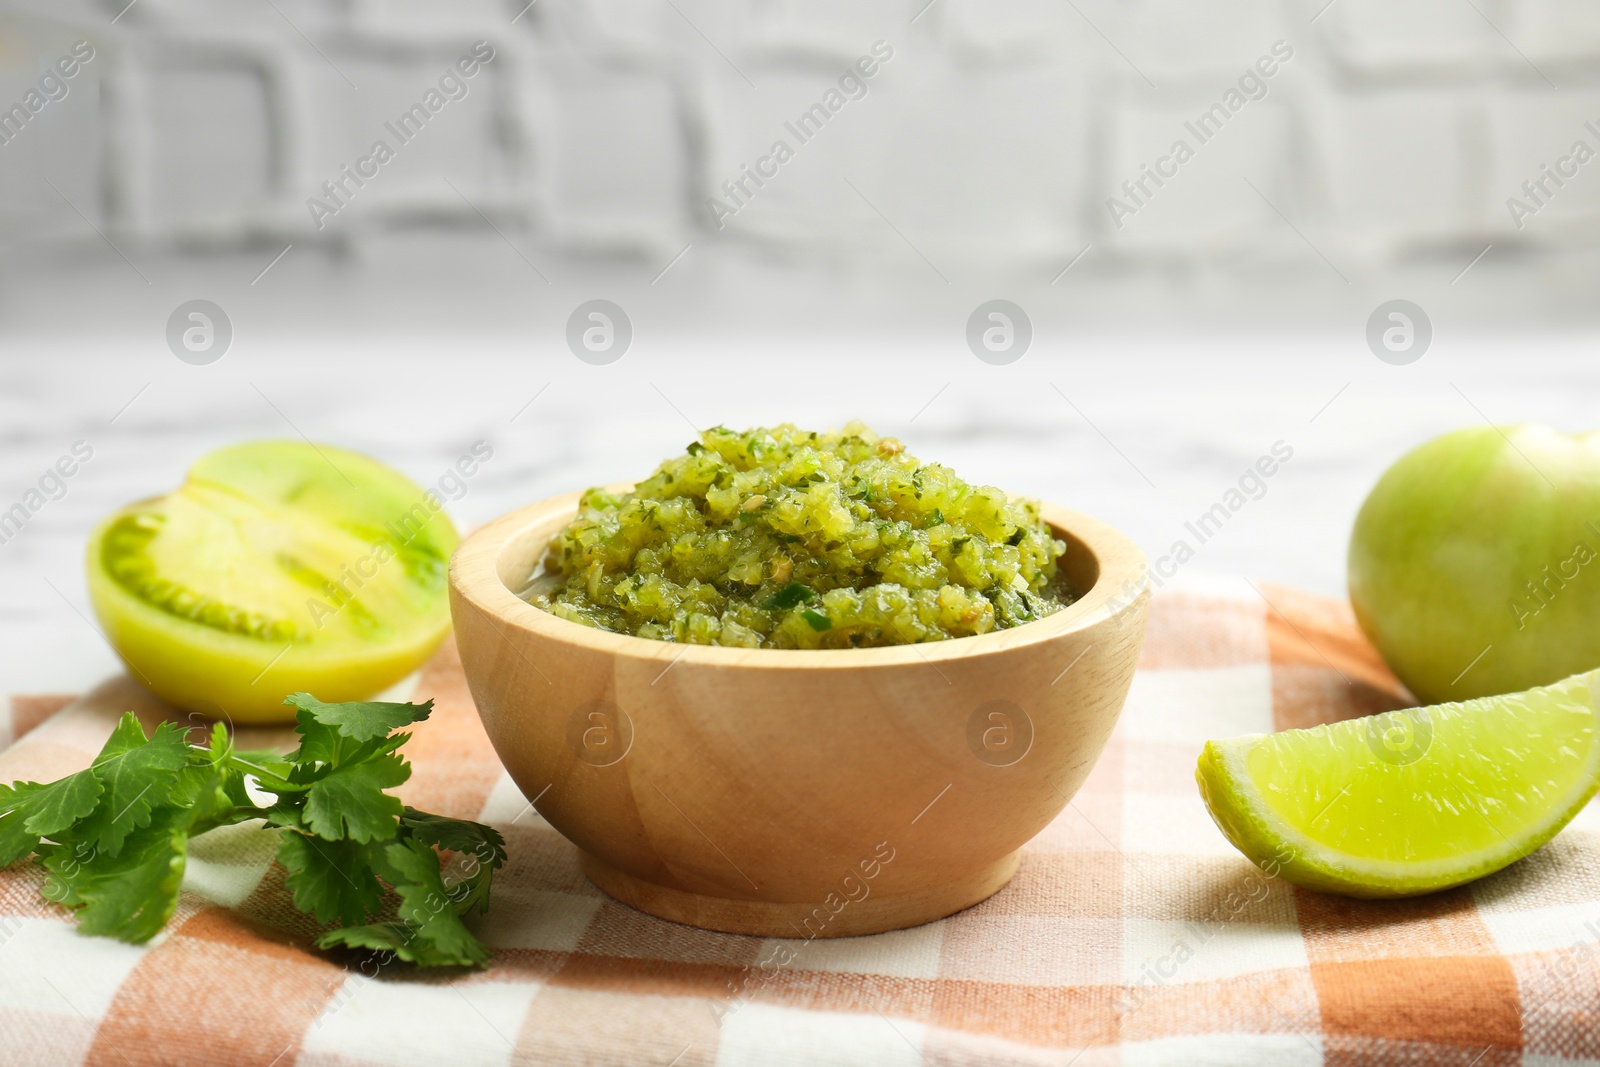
783 538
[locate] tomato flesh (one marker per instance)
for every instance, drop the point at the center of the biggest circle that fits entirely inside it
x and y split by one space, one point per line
278 566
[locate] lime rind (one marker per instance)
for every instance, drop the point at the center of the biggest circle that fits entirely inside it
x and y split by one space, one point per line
1498 777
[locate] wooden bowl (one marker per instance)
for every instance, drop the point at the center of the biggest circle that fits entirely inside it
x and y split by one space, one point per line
788 793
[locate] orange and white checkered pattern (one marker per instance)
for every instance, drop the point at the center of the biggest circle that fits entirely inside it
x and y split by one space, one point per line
1133 933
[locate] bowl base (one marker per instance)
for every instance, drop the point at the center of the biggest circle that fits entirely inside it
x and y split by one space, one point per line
873 914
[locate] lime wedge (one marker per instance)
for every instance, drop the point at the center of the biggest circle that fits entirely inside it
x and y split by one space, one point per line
1412 801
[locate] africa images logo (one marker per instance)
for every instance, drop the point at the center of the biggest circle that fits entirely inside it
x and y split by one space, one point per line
1252 86
453 85
852 85
53 86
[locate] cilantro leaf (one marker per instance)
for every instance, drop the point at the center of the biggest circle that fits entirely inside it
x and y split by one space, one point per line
412 868
380 937
350 801
15 842
332 880
195 787
361 720
132 894
457 835
400 938
135 901
471 892
233 787
126 736
286 815
62 863
221 743
137 775
482 851
50 809
129 896
323 746
429 932
319 744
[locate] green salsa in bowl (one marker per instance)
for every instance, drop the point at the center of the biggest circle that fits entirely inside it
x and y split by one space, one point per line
785 538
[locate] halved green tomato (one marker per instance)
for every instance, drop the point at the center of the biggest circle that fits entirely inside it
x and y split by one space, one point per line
277 567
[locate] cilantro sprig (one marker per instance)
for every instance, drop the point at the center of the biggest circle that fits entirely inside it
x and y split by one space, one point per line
114 838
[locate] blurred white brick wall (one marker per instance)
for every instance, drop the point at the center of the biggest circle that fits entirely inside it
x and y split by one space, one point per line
994 135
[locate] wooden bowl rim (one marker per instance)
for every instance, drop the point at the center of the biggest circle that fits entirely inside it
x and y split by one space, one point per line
474 575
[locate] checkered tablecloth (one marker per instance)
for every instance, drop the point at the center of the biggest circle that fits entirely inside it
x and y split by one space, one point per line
1132 934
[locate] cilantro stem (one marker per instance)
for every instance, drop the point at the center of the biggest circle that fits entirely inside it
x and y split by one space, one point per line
272 783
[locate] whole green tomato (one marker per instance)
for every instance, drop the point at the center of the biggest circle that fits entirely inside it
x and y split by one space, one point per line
1475 562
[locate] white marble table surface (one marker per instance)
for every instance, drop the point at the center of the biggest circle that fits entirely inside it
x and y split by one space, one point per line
1145 433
